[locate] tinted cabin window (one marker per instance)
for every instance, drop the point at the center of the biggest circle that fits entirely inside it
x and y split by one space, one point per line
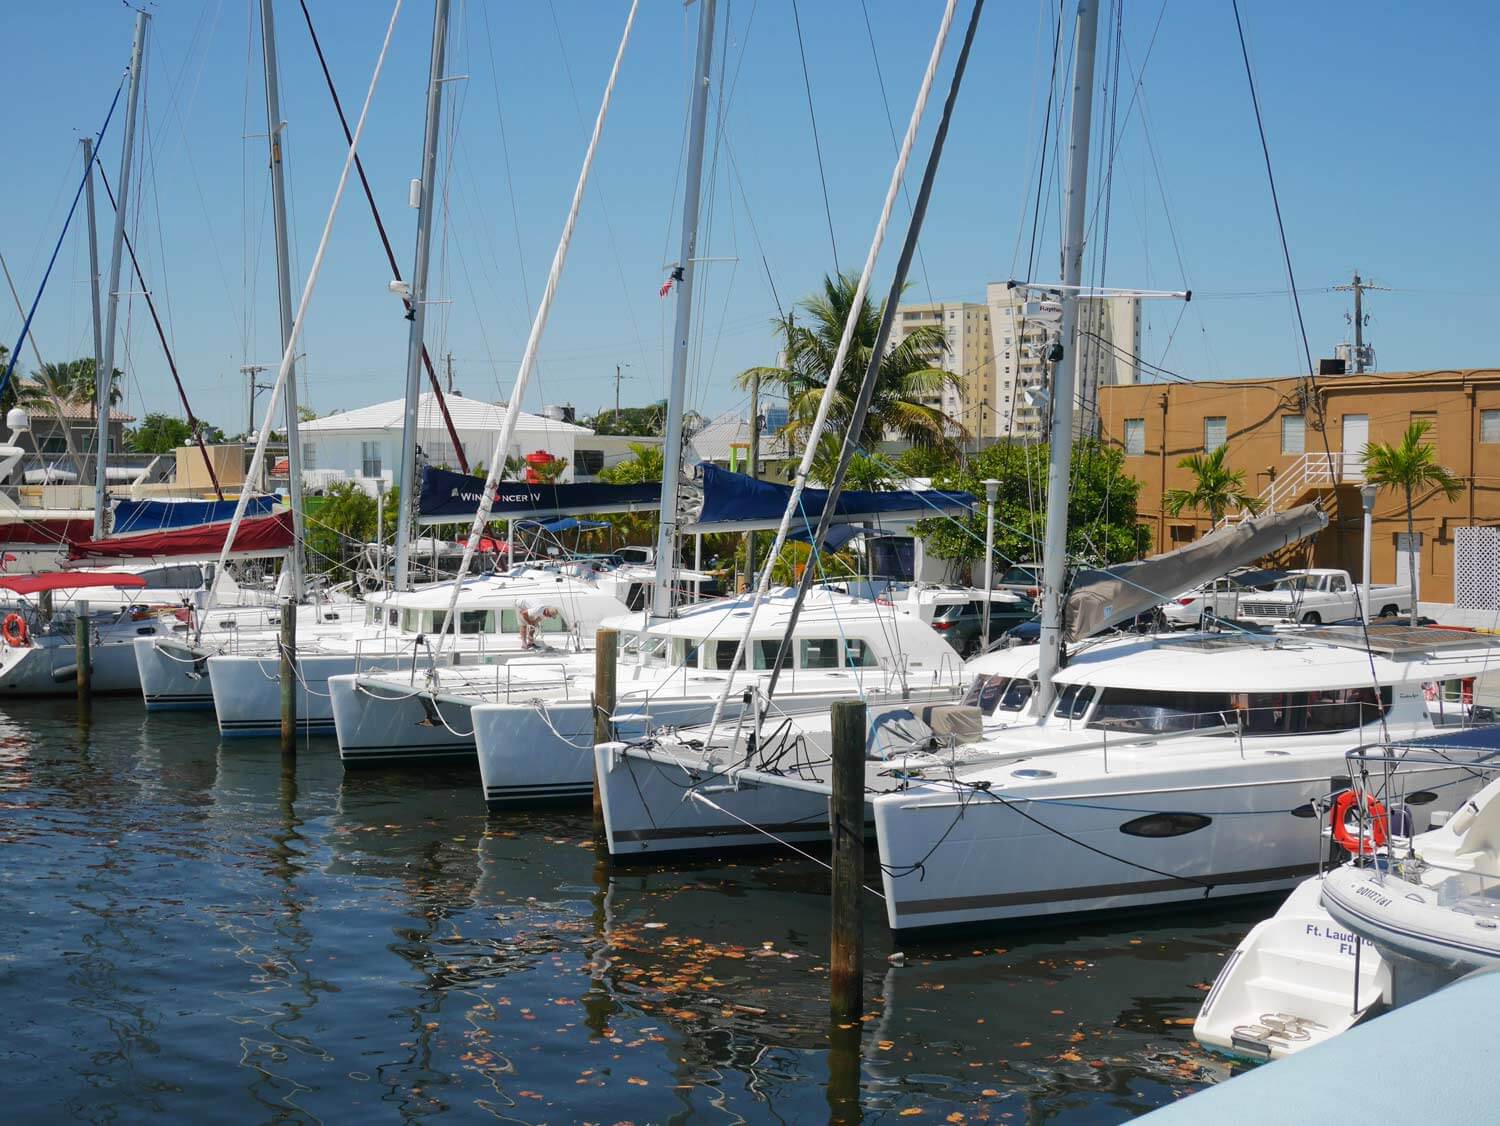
765 653
820 653
1146 712
476 621
985 693
1016 695
1074 701
859 655
509 623
686 653
181 577
723 654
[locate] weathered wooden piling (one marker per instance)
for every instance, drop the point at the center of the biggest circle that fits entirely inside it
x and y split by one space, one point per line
289 676
606 662
846 816
83 656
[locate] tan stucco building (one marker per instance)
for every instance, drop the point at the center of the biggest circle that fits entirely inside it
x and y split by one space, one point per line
1297 439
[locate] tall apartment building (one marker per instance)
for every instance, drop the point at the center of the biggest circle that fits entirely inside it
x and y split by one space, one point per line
968 352
1109 341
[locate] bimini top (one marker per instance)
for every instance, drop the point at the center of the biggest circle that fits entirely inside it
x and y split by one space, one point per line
70 580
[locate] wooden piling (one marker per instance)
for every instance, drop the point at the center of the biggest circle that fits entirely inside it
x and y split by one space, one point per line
846 816
606 663
83 656
289 676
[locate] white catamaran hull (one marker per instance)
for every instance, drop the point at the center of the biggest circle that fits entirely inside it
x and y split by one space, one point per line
49 667
385 723
650 807
247 690
1118 840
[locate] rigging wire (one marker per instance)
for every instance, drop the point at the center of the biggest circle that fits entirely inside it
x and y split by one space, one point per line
817 144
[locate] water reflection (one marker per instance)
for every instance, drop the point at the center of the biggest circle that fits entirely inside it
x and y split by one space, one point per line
198 929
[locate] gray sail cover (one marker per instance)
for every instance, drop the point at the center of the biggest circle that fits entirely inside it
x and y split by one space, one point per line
1103 598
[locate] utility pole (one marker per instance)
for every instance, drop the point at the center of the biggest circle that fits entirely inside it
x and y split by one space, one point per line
253 390
103 381
1358 286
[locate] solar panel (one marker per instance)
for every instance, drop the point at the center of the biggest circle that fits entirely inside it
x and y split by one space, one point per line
1400 642
1218 642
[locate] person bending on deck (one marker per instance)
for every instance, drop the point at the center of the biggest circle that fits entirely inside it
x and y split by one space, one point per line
531 613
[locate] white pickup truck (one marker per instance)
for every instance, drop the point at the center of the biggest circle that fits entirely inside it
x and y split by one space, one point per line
1319 594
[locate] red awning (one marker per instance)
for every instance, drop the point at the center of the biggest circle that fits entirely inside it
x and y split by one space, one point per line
58 580
263 535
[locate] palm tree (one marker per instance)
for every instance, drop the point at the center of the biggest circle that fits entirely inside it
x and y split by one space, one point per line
72 382
1410 466
645 464
1216 488
905 380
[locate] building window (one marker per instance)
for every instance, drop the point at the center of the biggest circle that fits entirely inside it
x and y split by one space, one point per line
1293 434
1215 431
369 456
309 456
1135 436
1430 418
1489 427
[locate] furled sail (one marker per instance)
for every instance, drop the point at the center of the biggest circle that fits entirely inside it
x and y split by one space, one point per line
1102 598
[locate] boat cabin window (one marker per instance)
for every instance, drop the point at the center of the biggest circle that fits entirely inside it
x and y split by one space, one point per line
1074 701
820 653
179 576
858 654
1016 694
985 693
685 652
765 652
723 655
1257 713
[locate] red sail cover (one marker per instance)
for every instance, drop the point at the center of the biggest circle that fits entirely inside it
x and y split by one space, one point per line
31 584
264 535
50 530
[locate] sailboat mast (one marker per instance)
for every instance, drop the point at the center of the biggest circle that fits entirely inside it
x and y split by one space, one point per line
1055 545
106 367
274 130
418 313
88 171
671 476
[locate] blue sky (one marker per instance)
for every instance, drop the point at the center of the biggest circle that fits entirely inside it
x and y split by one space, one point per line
1377 119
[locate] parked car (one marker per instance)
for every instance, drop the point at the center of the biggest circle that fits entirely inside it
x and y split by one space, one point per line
961 623
1023 578
1217 599
1320 594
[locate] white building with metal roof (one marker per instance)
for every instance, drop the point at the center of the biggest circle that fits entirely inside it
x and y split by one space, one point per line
364 444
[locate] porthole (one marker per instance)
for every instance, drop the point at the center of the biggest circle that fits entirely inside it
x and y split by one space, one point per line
1305 810
1166 824
1421 797
1031 773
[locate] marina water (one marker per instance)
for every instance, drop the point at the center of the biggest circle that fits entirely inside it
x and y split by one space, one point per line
211 932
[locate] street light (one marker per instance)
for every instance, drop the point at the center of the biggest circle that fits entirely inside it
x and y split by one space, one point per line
1367 495
991 491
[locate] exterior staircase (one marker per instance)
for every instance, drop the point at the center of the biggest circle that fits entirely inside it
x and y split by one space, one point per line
1309 473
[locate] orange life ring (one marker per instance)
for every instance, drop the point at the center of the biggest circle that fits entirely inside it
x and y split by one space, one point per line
1362 845
14 630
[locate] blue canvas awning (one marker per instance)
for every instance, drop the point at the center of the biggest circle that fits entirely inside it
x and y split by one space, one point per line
838 536
162 515
733 502
562 524
449 498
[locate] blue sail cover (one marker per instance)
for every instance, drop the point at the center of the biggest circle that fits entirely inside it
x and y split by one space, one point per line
448 497
163 515
733 502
